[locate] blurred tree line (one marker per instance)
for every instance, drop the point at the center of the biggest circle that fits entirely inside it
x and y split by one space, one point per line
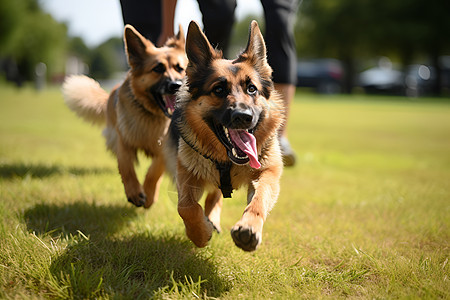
407 31
352 31
29 36
103 60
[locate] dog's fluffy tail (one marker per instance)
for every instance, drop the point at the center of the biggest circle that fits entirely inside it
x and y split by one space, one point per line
86 98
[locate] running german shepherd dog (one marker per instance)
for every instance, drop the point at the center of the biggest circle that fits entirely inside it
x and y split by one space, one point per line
138 112
223 135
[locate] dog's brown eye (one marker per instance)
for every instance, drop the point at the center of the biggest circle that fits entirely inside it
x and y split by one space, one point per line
179 69
219 91
251 89
160 68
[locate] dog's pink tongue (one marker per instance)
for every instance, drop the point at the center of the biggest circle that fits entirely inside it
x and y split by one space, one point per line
247 143
170 101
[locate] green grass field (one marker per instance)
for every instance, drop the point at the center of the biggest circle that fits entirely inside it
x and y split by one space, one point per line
364 214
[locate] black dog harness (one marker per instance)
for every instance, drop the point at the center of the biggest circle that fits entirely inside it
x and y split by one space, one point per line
224 168
225 178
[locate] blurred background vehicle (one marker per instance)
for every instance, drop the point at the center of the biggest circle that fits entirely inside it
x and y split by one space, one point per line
382 79
323 74
414 80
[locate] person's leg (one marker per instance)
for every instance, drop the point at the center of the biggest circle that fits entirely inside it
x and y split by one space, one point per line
282 57
145 16
218 20
287 92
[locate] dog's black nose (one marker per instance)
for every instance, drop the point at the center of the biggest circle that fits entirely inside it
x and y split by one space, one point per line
173 86
242 118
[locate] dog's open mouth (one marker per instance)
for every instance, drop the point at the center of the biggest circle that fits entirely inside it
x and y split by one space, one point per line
240 145
166 102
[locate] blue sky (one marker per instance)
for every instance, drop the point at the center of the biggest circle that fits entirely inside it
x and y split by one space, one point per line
98 20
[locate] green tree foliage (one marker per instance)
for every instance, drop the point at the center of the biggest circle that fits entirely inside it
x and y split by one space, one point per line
239 36
29 36
107 58
352 30
11 12
340 29
78 48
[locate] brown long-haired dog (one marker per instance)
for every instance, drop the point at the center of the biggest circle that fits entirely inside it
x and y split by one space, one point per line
137 113
224 136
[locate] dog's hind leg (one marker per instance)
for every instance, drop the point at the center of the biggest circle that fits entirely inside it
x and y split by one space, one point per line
153 180
126 156
213 208
262 195
198 227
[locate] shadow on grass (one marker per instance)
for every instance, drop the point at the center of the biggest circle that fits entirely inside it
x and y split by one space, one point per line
21 170
68 219
137 267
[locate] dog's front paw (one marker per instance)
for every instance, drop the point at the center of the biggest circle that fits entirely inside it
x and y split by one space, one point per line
138 199
246 237
199 233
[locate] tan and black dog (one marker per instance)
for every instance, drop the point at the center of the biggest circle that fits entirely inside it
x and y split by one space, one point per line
137 113
224 135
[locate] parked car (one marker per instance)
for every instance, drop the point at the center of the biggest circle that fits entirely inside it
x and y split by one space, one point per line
324 75
382 80
414 81
417 80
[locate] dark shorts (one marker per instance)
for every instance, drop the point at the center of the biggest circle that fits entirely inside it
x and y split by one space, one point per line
144 15
279 16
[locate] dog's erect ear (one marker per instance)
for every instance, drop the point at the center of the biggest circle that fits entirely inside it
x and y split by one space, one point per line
256 48
255 54
176 41
180 35
136 46
198 49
